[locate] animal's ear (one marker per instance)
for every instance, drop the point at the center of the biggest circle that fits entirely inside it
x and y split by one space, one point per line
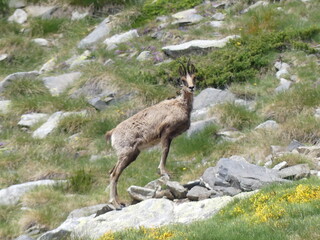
182 71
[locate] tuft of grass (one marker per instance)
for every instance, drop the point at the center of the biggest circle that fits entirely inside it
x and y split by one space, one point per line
73 124
81 181
293 159
42 27
238 117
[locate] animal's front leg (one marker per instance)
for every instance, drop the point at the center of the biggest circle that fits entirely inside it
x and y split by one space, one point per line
165 151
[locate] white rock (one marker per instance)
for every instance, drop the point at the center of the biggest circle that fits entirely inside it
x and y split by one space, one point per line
57 84
97 35
317 113
217 24
144 56
28 120
184 13
219 16
121 38
187 17
194 45
283 69
19 16
16 3
3 56
40 11
4 106
77 15
284 85
41 41
12 194
281 165
257 4
268 125
48 126
48 66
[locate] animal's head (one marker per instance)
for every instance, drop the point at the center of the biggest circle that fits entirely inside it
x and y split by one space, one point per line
187 76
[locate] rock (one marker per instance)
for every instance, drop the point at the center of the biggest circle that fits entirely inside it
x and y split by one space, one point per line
78 60
195 46
217 24
257 4
210 97
99 103
243 175
19 16
158 183
12 194
311 151
294 145
24 237
280 166
145 56
176 189
41 42
86 211
52 123
78 15
48 66
164 194
317 113
120 38
28 120
219 16
295 172
283 69
284 85
3 57
200 114
140 193
220 4
227 191
105 209
198 126
17 76
198 193
16 3
57 84
268 125
189 16
4 106
108 62
192 184
230 135
44 12
97 35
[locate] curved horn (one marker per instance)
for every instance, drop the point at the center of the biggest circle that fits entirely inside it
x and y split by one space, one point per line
183 68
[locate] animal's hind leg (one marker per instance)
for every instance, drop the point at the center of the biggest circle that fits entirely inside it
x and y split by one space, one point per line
123 162
165 142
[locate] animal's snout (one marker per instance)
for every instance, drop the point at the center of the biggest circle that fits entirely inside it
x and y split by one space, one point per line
191 88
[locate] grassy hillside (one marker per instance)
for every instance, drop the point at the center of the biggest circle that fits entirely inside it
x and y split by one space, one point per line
287 30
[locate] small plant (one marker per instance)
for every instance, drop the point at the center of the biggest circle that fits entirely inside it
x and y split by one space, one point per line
293 159
43 27
72 124
81 181
25 88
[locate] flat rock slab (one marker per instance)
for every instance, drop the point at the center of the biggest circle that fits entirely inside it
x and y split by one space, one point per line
113 41
189 16
12 194
28 120
268 125
210 97
16 76
97 35
44 12
57 84
295 172
4 106
196 46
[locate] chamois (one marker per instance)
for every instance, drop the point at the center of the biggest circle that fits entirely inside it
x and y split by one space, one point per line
159 123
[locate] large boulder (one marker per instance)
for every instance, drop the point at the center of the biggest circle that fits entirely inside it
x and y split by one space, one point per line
12 194
97 35
196 46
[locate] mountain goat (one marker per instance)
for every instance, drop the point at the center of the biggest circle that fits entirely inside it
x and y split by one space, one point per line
159 123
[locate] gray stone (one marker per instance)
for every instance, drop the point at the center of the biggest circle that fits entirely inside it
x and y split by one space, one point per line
294 145
12 194
48 66
86 211
140 193
4 106
210 97
317 113
97 35
219 16
158 183
120 38
198 126
227 191
28 120
177 189
283 69
245 176
196 46
268 125
145 56
257 4
41 42
57 84
78 59
217 24
280 165
284 85
189 16
192 184
295 172
3 57
79 15
24 237
200 114
16 3
99 103
198 193
16 76
19 16
310 151
44 12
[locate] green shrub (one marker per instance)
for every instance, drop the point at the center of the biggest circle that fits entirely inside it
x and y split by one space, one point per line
3 7
81 181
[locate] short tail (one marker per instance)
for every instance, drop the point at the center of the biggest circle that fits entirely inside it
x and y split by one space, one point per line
108 135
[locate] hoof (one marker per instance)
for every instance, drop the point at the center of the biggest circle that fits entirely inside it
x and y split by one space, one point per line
117 205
